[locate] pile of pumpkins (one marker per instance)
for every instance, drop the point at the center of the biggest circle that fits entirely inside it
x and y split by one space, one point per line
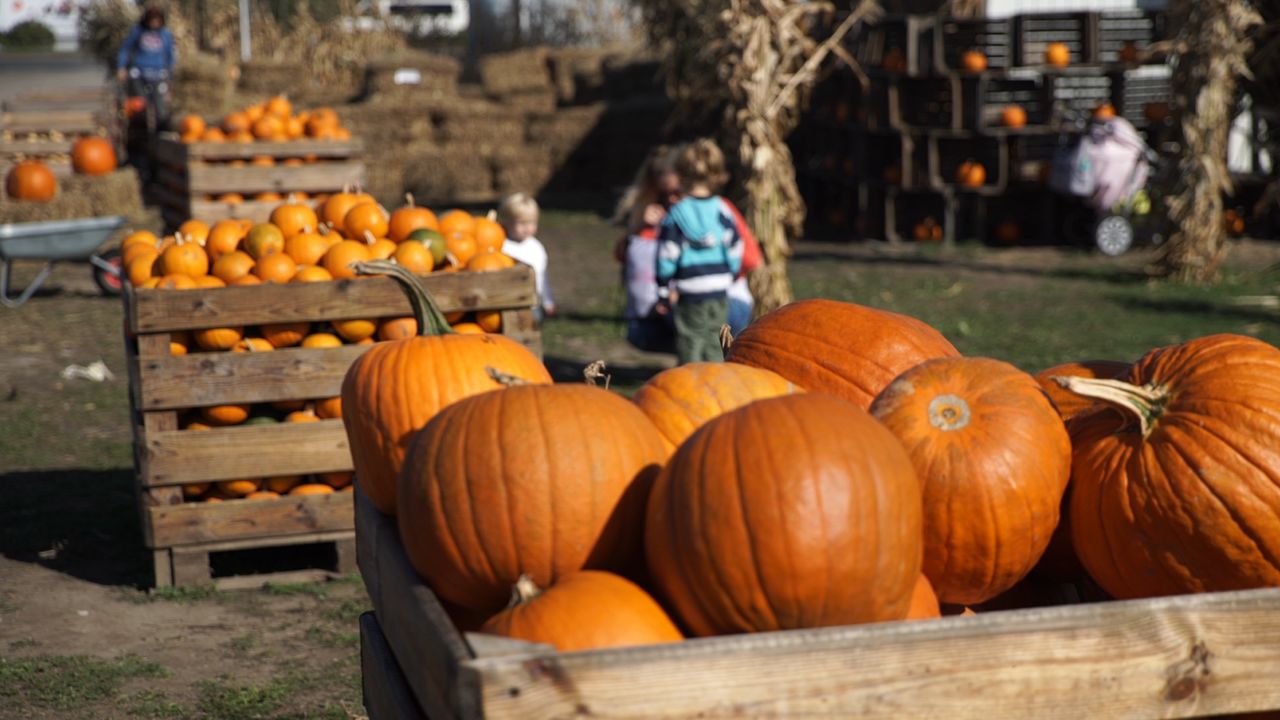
272 120
32 180
845 465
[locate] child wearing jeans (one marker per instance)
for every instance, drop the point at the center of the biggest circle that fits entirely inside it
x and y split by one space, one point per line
700 254
518 215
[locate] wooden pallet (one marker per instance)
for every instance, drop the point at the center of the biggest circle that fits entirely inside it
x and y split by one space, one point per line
192 173
1186 656
182 535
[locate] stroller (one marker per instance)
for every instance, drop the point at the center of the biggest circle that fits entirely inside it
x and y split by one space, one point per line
1106 166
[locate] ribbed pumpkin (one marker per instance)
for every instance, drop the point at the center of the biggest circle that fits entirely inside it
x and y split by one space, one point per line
1179 490
791 512
409 218
31 180
293 218
993 459
184 257
538 480
583 611
93 156
285 334
924 603
851 351
1068 403
392 390
682 399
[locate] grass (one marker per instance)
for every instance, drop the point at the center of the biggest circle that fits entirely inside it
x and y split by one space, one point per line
67 682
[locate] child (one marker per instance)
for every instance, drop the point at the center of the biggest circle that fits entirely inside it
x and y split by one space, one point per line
641 210
518 215
700 251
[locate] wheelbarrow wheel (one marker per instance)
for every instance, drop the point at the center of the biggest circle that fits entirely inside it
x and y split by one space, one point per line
109 281
1114 235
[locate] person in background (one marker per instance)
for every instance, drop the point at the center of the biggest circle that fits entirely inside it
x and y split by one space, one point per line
741 302
699 253
518 215
641 210
146 61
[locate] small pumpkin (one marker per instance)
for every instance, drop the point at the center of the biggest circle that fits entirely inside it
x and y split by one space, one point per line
971 174
312 273
924 603
329 407
489 235
338 260
222 415
218 338
93 156
237 488
31 180
312 489
974 61
293 218
489 260
366 217
1013 116
1057 54
584 611
262 240
184 257
1105 111
1068 403
233 266
409 218
277 267
285 334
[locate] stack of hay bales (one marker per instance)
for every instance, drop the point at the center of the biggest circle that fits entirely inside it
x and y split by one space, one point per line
202 84
411 75
273 77
520 80
81 196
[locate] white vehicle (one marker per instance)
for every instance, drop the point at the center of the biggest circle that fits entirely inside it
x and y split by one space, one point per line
419 17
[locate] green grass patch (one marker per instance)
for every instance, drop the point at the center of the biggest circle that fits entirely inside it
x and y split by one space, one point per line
150 704
221 700
316 590
330 637
67 682
349 610
187 594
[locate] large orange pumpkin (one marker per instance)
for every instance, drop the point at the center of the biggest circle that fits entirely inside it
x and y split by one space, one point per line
1068 403
993 459
392 390
93 156
585 610
511 498
792 512
1178 489
848 350
684 398
31 180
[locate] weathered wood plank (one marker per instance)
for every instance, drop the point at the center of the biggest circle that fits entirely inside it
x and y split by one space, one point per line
195 523
85 122
160 421
181 457
157 311
221 378
424 640
1170 657
519 325
35 147
170 148
333 536
386 693
320 177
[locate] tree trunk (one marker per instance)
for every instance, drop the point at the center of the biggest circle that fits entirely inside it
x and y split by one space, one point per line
1212 50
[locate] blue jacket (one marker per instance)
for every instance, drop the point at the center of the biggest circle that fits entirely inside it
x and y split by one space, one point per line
699 249
148 50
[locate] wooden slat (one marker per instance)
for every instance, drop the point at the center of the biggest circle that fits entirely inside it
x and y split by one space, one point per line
187 456
35 147
65 121
170 148
149 423
222 378
319 177
386 693
196 523
334 536
519 325
1172 657
212 211
423 639
157 311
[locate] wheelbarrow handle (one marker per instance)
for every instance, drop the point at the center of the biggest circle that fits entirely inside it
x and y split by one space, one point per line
30 290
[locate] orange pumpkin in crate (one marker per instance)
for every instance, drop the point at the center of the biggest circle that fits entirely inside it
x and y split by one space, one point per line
93 156
1013 116
1105 111
974 61
1057 54
971 174
1129 53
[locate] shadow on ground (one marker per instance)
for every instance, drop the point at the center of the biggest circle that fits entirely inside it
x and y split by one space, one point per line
80 522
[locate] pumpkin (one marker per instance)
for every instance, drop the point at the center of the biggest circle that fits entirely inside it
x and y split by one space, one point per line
409 218
312 489
581 503
293 218
392 390
1232 223
797 511
335 209
306 247
993 460
321 340
1068 403
1178 491
1129 53
262 240
230 199
184 258
461 247
301 416
927 230
489 235
141 267
583 611
285 334
971 174
379 248
329 408
279 106
365 217
1105 111
339 258
221 415
194 490
851 351
268 127
209 281
682 399
262 495
237 488
354 330
468 328
218 338
31 180
414 257
224 237
1013 116
974 61
489 320
457 221
312 273
213 134
433 242
253 344
233 266
93 156
397 328
176 282
487 260
336 480
276 268
191 126
1057 54
924 603
250 279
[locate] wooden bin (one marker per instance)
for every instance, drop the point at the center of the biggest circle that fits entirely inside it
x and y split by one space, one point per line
47 124
192 173
1185 656
182 535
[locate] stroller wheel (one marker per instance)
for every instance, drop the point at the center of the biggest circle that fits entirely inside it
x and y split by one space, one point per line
1113 235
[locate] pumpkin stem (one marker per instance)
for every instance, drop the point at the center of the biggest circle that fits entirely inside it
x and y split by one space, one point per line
523 591
504 379
369 239
726 339
408 200
1147 402
431 321
594 371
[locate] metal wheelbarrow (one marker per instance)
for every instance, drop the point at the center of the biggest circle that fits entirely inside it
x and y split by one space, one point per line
59 241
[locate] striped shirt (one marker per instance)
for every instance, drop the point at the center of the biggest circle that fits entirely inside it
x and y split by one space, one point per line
699 249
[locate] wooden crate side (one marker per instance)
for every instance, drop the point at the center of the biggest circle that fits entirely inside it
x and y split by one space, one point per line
169 310
197 523
70 122
171 148
320 177
386 692
221 378
1171 657
185 456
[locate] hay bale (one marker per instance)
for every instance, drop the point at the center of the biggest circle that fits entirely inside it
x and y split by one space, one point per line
267 77
578 74
449 175
516 71
80 196
416 74
482 123
560 134
386 125
526 170
202 85
533 101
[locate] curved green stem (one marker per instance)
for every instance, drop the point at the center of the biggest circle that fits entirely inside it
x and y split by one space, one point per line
1147 402
431 321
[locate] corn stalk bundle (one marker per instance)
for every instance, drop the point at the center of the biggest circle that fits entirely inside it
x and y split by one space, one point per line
748 66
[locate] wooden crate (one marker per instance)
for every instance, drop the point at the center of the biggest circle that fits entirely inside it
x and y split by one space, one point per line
182 535
1186 656
191 173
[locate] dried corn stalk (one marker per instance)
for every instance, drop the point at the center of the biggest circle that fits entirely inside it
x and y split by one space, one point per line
1210 54
747 66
